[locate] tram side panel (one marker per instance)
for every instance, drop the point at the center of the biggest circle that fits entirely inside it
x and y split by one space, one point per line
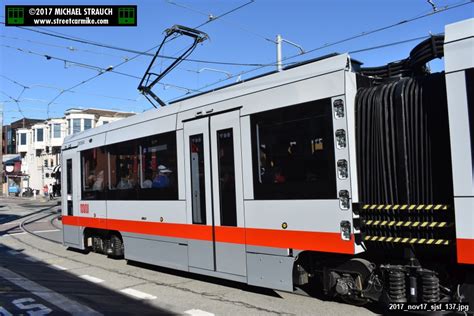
296 178
459 45
151 217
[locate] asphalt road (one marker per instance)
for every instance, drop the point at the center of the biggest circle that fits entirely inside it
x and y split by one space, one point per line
39 276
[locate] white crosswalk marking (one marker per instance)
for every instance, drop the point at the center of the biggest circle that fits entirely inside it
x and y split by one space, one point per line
198 312
138 294
91 278
58 267
31 259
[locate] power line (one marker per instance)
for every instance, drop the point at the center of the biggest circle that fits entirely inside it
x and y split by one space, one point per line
211 17
92 78
226 13
384 28
15 100
97 68
69 48
350 52
100 69
431 13
31 86
144 53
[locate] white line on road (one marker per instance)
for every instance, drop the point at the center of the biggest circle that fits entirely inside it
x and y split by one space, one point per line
91 278
138 294
50 296
13 234
198 312
31 259
58 267
46 231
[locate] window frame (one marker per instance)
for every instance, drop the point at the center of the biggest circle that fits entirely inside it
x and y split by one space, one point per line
73 121
320 176
21 139
87 120
38 134
137 192
58 130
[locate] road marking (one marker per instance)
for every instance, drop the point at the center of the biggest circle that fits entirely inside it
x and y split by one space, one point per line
46 231
58 267
91 278
13 234
198 312
50 296
138 294
31 259
13 252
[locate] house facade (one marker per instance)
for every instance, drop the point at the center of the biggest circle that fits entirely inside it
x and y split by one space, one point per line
39 145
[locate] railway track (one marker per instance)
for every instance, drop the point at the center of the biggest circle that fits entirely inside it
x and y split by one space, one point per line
34 218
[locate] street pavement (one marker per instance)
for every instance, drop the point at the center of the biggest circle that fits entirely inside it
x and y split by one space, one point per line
39 276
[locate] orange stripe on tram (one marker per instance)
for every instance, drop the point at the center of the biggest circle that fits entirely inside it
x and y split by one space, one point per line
465 249
303 240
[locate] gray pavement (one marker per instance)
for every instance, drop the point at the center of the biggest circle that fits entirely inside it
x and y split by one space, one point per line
91 283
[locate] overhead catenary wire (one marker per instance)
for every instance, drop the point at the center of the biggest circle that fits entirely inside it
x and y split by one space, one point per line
350 52
144 53
126 61
101 71
15 101
69 48
406 21
40 85
211 17
98 68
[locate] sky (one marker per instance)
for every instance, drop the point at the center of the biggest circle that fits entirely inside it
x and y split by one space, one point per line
244 36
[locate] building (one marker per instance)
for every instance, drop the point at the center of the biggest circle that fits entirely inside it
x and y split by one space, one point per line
40 144
11 166
9 134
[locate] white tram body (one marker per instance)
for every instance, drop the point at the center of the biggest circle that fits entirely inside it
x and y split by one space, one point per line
241 182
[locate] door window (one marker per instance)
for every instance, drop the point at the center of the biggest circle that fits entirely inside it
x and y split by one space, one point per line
69 185
198 184
226 172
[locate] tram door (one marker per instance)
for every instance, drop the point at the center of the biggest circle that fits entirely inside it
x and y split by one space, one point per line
69 194
214 193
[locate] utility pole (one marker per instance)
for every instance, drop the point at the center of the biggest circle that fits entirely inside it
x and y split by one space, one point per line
278 42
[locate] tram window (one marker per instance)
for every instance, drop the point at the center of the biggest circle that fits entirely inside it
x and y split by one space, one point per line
69 176
94 174
69 186
198 184
124 170
293 152
159 174
225 150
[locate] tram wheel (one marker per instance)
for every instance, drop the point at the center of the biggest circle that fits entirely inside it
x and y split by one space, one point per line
117 247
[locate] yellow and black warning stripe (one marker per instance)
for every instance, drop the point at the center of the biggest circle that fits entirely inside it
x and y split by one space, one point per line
393 223
405 207
409 240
